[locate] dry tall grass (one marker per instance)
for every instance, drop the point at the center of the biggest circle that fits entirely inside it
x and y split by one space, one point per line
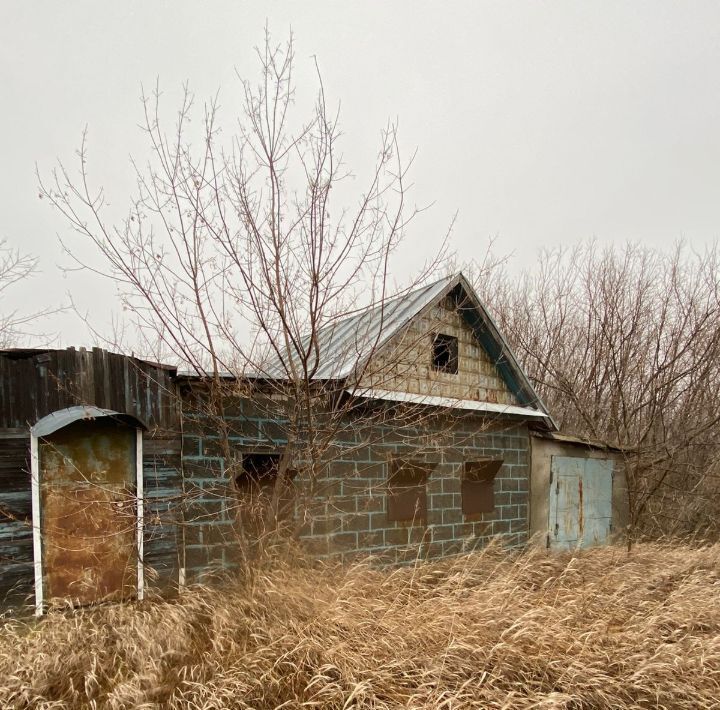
602 629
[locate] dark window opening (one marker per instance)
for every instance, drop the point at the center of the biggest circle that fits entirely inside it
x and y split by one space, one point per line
259 472
478 486
256 485
406 494
445 353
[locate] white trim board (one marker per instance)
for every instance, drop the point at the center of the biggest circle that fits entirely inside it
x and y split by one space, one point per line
448 402
139 497
37 540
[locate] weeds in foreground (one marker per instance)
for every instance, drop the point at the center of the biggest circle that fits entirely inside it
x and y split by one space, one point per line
597 629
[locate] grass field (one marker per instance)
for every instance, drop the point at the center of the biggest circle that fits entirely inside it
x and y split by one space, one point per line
601 629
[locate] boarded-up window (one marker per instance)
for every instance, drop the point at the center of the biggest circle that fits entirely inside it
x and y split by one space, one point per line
407 497
478 486
445 353
256 486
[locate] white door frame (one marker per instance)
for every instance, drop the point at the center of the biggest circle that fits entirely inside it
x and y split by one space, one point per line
37 539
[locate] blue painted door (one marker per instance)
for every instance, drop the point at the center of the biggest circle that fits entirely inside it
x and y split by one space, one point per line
597 497
580 511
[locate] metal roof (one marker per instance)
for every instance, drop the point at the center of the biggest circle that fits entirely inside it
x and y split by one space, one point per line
561 438
348 342
57 420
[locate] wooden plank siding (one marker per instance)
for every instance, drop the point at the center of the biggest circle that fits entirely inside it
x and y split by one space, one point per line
35 383
162 468
16 541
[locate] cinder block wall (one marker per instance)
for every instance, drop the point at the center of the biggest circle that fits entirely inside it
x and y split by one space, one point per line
353 521
347 517
210 533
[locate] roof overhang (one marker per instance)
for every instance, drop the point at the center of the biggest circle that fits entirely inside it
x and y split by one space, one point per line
63 417
510 410
561 438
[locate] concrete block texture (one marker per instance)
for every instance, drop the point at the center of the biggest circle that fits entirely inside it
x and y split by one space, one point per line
347 517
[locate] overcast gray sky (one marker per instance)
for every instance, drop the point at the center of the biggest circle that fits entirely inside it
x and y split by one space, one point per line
543 123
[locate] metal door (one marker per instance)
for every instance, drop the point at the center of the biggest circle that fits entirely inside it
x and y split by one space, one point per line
566 501
88 512
580 511
597 499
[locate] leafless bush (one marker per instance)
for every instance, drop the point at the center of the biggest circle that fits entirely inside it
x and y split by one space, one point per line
15 267
236 257
624 345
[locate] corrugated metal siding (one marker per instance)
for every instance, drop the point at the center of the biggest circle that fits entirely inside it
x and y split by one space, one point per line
346 342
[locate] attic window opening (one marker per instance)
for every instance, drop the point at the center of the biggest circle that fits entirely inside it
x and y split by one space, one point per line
445 353
478 486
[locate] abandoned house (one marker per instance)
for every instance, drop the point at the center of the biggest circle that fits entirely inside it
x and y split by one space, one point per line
117 475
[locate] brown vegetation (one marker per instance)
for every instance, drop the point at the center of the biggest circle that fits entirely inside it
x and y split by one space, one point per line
623 344
597 629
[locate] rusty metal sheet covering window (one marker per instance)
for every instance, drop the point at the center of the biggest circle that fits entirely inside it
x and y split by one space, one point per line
88 512
478 486
406 491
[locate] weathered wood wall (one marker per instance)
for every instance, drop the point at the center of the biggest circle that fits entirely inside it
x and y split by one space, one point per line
34 383
16 544
404 364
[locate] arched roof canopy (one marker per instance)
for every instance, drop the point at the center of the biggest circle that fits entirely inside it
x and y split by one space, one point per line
63 417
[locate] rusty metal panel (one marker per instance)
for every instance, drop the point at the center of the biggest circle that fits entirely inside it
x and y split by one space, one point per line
406 491
88 512
478 486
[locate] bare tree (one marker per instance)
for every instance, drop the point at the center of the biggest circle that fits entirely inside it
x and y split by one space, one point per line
231 257
624 345
15 267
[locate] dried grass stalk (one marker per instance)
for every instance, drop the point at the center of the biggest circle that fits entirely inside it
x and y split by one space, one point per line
597 629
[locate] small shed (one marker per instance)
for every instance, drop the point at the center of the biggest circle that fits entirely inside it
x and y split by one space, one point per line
578 491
